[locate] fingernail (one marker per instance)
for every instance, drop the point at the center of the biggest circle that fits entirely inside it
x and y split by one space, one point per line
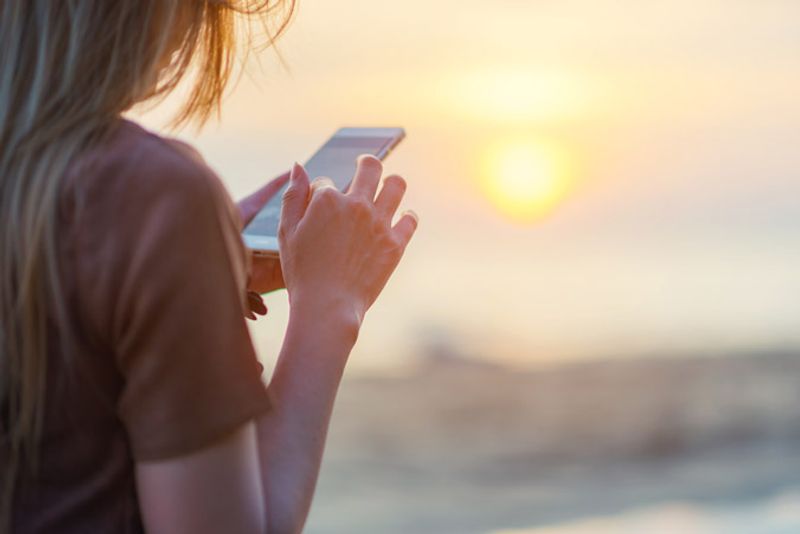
295 171
413 215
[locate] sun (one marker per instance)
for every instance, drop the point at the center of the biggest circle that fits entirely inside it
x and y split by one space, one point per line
526 178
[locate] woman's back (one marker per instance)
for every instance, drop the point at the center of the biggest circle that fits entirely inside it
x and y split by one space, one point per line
130 394
160 362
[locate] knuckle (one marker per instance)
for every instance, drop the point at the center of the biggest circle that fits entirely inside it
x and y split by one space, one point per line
395 246
379 228
387 241
290 194
283 232
361 207
326 194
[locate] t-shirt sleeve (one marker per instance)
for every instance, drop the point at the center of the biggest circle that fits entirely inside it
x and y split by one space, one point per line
177 323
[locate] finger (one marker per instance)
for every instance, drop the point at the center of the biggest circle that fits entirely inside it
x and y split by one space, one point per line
295 199
368 174
394 187
321 185
323 182
405 227
272 187
252 204
266 275
256 303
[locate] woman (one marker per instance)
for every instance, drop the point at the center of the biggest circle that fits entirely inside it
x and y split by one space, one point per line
130 392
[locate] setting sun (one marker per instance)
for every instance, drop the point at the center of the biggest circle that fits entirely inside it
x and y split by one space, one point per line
526 179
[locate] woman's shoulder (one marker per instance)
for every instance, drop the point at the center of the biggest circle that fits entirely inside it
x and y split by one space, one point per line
133 171
136 159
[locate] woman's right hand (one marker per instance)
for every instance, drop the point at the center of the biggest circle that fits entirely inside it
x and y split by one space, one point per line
338 250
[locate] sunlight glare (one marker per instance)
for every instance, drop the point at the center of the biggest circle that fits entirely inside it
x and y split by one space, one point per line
526 179
519 95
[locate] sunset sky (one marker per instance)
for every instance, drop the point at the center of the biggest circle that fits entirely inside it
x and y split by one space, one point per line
594 178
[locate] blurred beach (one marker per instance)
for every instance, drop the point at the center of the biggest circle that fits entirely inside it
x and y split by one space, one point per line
661 445
597 327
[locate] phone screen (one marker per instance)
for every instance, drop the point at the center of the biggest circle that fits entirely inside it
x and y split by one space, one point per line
336 160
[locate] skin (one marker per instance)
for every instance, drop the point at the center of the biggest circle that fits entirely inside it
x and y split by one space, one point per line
265 273
338 250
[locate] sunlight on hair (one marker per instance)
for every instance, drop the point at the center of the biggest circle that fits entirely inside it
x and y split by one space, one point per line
526 178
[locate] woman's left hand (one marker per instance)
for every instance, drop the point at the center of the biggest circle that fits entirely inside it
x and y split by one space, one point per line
265 274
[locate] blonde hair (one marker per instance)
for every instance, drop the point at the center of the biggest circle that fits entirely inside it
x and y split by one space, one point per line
68 69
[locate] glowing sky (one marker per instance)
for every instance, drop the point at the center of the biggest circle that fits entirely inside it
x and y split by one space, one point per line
662 137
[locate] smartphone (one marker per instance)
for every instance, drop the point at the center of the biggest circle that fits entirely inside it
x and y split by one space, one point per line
337 160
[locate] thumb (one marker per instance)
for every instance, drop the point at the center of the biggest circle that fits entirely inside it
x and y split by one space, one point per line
295 199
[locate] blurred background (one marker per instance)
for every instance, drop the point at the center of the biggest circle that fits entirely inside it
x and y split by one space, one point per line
596 328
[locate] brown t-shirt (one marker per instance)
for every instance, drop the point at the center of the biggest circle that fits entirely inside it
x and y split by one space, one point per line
154 272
